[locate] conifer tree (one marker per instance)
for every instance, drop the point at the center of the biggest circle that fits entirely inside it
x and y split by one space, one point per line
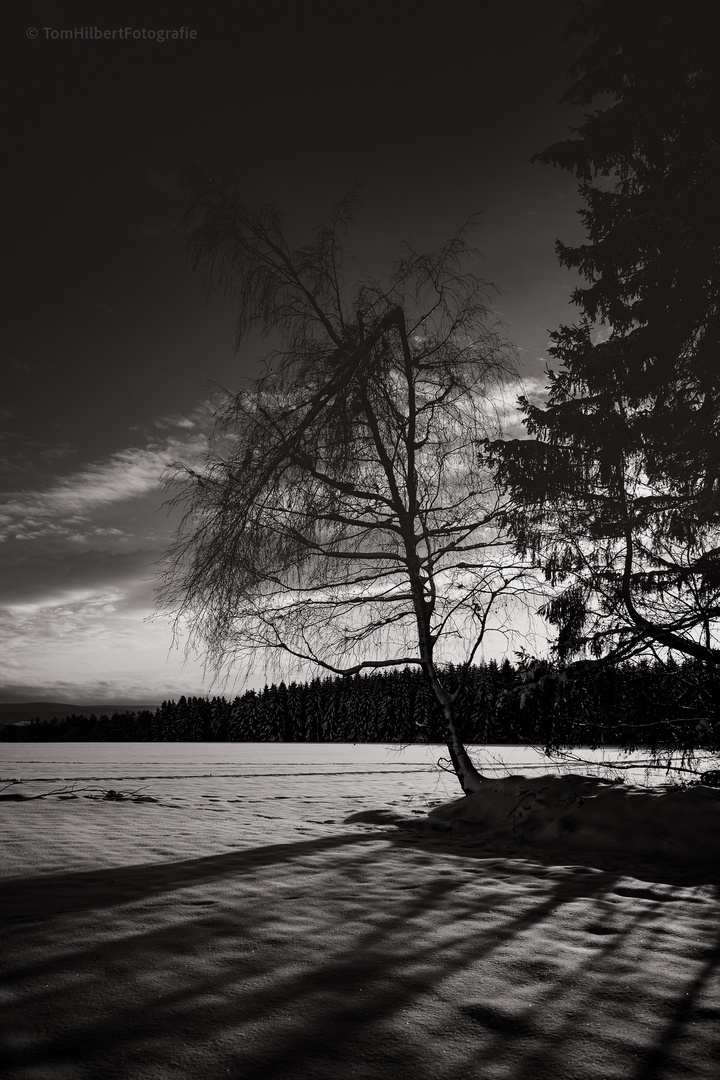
295 713
618 491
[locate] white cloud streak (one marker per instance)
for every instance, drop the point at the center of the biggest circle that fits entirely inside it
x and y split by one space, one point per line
66 507
77 574
505 403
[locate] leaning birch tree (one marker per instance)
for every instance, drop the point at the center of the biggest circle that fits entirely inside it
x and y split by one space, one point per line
342 518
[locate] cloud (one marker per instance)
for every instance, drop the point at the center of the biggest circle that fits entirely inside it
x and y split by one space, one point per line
78 570
201 419
69 505
139 688
25 461
70 618
101 692
535 389
47 571
505 402
86 647
95 531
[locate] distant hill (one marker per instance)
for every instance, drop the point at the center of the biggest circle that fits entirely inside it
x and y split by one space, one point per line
24 711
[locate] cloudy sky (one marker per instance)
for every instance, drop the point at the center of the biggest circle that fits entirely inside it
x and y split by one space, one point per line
109 347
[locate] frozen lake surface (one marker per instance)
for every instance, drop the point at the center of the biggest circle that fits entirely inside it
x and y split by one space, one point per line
366 763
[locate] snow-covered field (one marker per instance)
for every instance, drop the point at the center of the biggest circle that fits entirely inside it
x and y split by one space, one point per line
290 911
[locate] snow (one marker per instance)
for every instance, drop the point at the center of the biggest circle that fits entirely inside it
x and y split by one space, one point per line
294 911
583 813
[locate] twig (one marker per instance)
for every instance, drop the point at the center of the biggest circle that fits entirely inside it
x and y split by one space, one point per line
108 794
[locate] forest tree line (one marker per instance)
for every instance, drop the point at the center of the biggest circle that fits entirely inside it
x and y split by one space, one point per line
658 705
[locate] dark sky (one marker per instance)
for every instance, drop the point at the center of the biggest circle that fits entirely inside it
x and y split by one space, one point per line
108 344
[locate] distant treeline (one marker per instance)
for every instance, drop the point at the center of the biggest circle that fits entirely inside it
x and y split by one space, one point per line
657 705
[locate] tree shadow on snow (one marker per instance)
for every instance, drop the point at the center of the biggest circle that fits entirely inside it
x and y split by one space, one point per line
366 954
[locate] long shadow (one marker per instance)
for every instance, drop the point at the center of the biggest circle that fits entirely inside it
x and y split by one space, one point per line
41 895
393 960
46 894
230 994
685 1015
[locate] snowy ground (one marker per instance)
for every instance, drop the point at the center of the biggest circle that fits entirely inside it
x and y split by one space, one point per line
273 914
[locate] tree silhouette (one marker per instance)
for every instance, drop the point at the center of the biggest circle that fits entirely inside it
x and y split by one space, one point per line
343 518
618 494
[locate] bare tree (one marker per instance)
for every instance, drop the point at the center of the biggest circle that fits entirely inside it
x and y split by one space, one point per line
342 517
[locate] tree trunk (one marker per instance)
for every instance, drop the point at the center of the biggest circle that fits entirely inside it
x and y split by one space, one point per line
468 776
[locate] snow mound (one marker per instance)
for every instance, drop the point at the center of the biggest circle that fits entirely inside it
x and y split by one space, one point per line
588 812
